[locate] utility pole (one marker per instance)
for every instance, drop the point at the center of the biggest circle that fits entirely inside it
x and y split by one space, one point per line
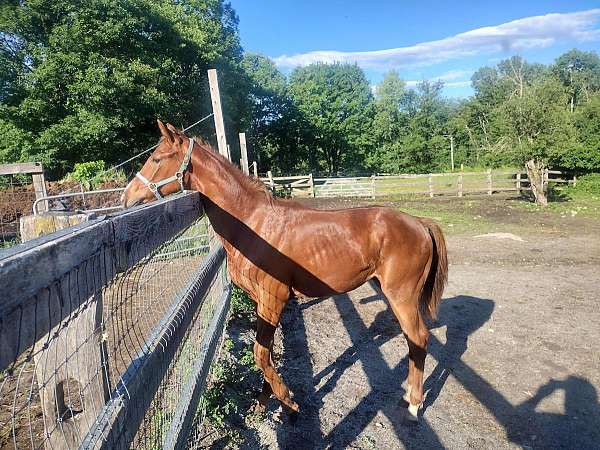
451 150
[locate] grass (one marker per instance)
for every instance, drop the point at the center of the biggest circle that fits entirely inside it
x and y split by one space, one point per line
569 202
454 222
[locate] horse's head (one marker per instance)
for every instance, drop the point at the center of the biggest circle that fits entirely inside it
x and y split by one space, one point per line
163 172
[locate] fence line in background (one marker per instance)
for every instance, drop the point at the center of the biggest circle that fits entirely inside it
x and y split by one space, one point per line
432 184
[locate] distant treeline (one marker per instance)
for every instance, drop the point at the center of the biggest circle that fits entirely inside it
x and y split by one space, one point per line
85 81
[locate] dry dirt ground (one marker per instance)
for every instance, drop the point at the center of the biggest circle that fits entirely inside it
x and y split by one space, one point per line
514 356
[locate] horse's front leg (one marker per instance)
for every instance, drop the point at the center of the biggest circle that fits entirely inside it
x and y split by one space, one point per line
269 311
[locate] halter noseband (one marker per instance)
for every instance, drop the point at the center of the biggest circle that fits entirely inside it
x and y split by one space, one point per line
155 186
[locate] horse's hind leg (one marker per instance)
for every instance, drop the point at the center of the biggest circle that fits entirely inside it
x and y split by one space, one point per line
405 304
268 318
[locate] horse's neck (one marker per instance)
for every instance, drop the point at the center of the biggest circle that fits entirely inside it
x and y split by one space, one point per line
227 195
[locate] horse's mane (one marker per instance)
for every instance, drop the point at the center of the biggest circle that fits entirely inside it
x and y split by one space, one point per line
250 182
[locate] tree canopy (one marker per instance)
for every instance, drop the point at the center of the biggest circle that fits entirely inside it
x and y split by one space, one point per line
84 81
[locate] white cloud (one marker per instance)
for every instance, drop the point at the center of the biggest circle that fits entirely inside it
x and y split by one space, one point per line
454 74
518 35
446 77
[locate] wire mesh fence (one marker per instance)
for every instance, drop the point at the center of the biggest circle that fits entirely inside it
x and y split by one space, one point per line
108 344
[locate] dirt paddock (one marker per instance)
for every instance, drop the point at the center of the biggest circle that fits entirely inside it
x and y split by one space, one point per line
514 356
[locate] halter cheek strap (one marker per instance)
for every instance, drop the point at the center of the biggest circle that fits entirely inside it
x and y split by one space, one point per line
155 186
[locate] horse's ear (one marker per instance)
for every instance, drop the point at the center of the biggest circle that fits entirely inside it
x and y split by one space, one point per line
164 131
177 135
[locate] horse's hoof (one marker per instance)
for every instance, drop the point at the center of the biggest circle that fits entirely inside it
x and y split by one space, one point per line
413 412
293 417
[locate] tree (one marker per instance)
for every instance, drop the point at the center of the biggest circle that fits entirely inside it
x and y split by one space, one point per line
538 125
579 72
86 80
276 127
336 102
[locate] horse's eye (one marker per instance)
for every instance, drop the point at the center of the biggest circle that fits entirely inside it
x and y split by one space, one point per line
156 160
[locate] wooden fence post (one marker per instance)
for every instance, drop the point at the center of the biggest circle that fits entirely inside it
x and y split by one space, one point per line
311 181
373 187
39 186
460 183
255 168
244 154
271 182
489 181
218 112
519 183
72 394
430 186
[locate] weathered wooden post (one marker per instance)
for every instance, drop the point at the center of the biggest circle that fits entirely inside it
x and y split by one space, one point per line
460 183
271 182
311 182
215 97
244 154
373 187
430 185
489 181
519 182
255 168
36 170
71 360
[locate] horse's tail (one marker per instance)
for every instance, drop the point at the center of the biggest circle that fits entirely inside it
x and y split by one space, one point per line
432 291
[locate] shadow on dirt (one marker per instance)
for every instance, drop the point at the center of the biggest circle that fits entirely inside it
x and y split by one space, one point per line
462 316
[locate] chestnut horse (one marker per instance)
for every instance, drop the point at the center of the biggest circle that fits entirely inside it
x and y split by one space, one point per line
280 248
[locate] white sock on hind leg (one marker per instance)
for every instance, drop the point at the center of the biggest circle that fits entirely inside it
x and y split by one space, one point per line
406 396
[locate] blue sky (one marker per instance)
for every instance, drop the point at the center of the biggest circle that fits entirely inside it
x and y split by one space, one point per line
445 40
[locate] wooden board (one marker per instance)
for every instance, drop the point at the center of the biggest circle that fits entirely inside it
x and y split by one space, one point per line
21 168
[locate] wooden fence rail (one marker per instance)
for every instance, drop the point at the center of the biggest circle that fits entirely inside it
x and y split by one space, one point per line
432 184
100 326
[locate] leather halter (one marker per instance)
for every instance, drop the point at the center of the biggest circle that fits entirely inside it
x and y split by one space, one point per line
155 186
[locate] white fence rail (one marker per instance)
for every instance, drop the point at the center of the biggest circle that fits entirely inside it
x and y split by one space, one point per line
432 184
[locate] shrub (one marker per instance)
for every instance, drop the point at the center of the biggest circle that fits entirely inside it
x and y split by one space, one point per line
241 302
86 172
588 184
91 174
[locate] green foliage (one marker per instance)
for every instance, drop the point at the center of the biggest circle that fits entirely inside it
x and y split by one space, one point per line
336 102
214 402
84 172
277 133
587 184
241 303
86 80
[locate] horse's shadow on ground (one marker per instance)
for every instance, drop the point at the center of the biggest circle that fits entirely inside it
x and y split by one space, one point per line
465 314
462 316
